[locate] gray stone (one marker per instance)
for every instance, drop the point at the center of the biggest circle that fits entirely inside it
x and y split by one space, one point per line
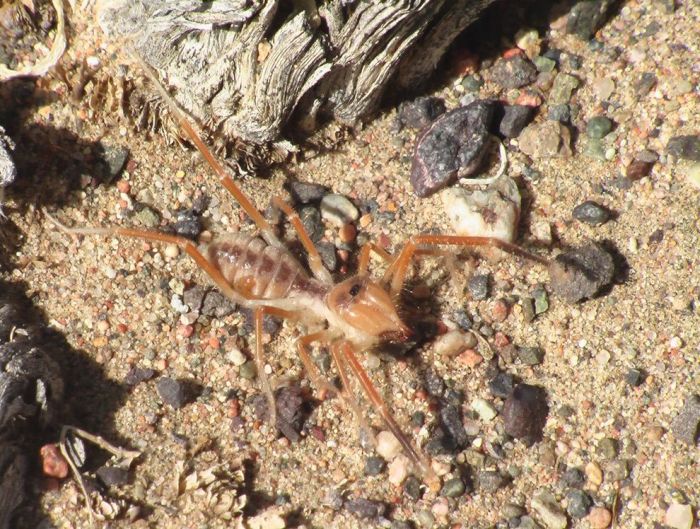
490 481
562 88
173 392
148 217
453 488
685 147
374 466
598 127
547 139
685 425
607 448
453 145
525 413
591 213
501 385
421 112
578 503
515 119
561 112
112 476
586 17
548 511
530 356
515 72
307 192
364 508
479 286
581 273
311 219
114 158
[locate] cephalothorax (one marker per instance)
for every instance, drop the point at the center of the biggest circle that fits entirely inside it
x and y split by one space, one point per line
350 316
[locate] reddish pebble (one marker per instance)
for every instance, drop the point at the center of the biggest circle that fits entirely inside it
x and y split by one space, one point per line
500 310
234 408
470 358
599 518
512 53
185 330
317 433
500 340
214 342
53 463
131 166
638 169
122 328
529 99
123 186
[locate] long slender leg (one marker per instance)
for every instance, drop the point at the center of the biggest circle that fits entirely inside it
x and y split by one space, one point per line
363 261
418 459
315 262
226 180
260 364
312 371
347 394
398 268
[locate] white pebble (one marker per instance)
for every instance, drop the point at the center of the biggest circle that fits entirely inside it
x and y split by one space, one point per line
484 409
679 516
675 342
110 272
177 304
398 469
236 357
451 343
171 251
338 210
466 209
388 446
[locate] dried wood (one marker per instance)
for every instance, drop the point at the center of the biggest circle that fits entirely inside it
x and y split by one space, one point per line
248 67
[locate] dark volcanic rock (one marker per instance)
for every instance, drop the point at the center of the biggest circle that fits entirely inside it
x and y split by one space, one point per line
452 146
525 413
581 273
364 508
515 119
421 112
591 213
291 410
307 192
173 392
685 147
586 17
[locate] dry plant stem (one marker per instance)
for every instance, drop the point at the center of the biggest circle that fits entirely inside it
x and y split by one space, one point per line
396 273
418 459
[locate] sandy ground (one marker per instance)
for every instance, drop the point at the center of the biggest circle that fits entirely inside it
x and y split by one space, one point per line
112 299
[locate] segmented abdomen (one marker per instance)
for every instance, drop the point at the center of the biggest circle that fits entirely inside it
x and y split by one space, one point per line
255 269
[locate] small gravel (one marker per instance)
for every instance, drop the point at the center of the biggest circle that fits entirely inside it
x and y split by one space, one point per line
490 481
479 286
578 503
515 119
453 488
173 392
686 425
684 147
581 273
420 112
548 511
338 210
514 72
364 509
525 413
598 127
307 192
112 476
591 213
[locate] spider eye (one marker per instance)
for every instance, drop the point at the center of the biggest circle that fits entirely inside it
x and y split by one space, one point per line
355 290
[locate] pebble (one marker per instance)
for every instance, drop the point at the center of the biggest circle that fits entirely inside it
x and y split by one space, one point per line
173 392
603 88
388 445
187 224
412 487
581 273
599 518
578 503
573 477
514 72
586 17
420 112
484 409
364 508
492 212
607 448
177 304
328 255
548 510
425 519
112 476
248 370
267 520
453 488
547 139
291 413
512 510
473 83
171 251
525 413
692 174
374 466
686 425
562 89
451 343
501 385
544 64
616 470
398 469
307 192
236 357
451 420
338 210
53 464
136 375
679 516
470 358
515 119
453 145
490 481
638 169
530 356
148 217
311 219
644 84
598 127
591 213
594 474
479 285
684 147
114 158
559 113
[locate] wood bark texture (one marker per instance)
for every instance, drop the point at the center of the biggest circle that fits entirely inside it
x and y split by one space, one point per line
248 67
